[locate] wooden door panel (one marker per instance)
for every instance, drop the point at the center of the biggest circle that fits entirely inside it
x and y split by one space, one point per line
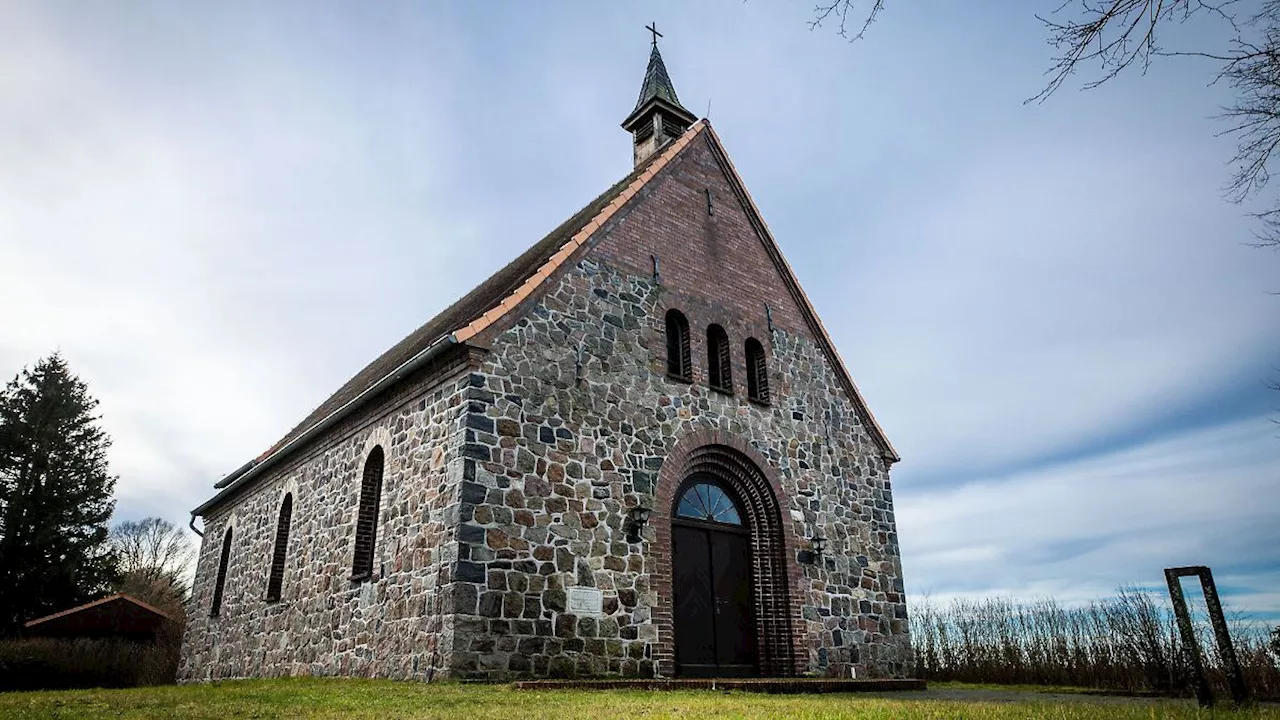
735 626
694 599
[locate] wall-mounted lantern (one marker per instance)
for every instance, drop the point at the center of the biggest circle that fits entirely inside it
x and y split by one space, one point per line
819 544
637 518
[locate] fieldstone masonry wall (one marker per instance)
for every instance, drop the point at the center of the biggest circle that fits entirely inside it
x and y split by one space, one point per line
570 423
507 482
394 625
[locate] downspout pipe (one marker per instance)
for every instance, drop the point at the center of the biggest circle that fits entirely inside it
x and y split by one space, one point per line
252 469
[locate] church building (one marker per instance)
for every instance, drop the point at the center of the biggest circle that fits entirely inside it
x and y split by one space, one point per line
633 451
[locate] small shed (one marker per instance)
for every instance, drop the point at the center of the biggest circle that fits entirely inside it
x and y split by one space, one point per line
116 615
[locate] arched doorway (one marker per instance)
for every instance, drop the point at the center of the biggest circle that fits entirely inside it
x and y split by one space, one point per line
707 561
711 558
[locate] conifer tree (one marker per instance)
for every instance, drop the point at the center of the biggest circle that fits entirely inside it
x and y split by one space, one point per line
55 495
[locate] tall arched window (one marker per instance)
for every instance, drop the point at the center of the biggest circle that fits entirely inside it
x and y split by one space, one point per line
679 359
719 374
757 372
367 520
221 580
278 555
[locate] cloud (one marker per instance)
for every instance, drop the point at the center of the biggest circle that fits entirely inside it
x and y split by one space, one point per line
208 269
1080 529
221 213
1056 313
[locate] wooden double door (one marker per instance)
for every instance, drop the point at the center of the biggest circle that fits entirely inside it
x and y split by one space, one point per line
715 632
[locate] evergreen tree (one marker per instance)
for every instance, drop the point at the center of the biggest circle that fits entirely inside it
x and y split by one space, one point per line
55 495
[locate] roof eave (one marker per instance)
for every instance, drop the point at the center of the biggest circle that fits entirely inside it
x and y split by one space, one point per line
887 452
662 104
462 335
94 603
404 370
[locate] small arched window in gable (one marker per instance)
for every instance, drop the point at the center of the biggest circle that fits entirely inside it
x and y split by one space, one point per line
757 372
221 580
719 373
679 358
367 519
276 580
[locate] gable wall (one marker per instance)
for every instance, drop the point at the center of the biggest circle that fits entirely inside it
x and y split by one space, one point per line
390 626
507 486
579 416
716 260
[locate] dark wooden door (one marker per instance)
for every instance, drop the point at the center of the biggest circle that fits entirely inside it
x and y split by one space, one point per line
714 624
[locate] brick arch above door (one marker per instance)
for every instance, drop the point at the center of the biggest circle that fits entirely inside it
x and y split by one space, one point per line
734 461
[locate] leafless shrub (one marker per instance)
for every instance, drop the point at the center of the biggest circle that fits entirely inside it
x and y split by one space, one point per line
1128 642
55 663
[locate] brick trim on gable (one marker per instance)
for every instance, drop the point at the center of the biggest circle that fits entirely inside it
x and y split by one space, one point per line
890 455
489 321
578 239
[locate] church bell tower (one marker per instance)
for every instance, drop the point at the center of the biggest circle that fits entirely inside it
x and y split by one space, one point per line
658 117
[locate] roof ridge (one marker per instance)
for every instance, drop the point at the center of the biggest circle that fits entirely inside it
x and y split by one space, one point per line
93 603
512 285
579 238
484 303
824 338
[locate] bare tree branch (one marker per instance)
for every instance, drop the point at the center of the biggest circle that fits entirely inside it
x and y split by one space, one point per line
1108 37
1115 34
1269 235
841 10
154 557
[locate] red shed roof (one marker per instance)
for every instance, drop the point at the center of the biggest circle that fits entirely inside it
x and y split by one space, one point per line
117 614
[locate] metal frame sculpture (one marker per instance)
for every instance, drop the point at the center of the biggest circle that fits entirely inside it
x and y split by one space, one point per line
1227 651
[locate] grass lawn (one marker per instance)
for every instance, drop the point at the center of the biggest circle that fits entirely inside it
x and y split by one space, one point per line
382 699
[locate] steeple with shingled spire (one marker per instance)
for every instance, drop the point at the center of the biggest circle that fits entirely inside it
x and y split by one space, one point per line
658 116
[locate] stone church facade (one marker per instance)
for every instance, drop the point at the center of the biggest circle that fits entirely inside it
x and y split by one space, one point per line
632 451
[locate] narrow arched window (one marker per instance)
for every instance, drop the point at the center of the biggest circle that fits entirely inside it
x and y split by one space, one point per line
367 520
679 359
281 550
757 372
719 374
221 580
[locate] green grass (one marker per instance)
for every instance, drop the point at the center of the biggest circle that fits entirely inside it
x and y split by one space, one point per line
1053 689
381 699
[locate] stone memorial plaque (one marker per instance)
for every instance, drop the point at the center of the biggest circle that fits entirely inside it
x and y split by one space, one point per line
586 601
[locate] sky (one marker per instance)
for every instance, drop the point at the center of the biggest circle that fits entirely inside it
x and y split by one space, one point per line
219 212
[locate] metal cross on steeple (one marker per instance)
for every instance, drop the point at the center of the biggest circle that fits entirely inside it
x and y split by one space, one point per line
658 116
653 28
